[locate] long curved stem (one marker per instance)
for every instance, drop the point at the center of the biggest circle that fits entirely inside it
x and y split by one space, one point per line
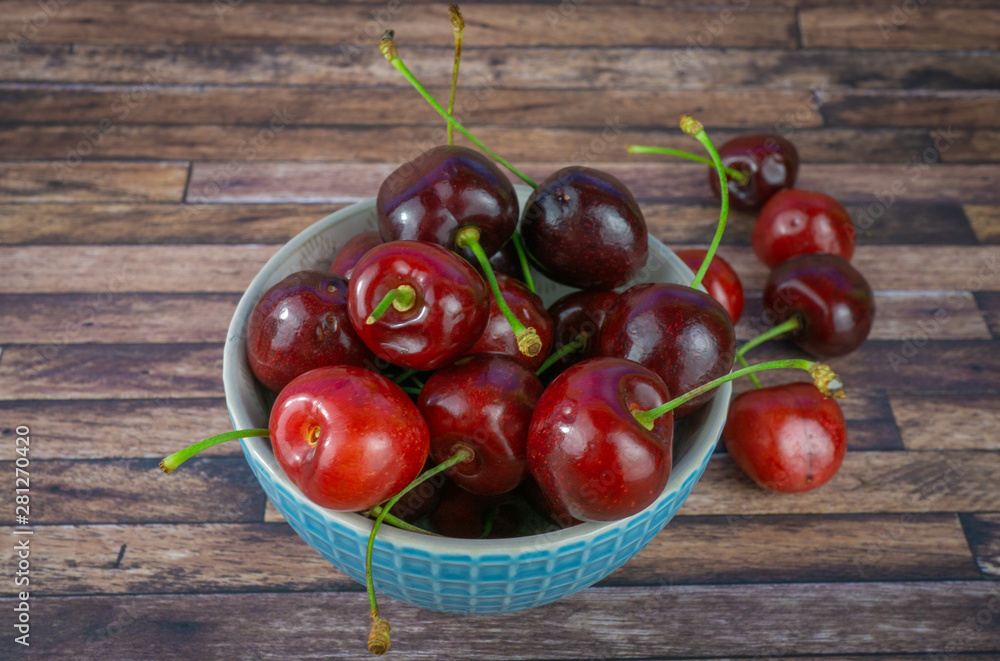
397 522
522 257
753 377
388 49
771 333
579 343
169 464
458 25
736 175
694 128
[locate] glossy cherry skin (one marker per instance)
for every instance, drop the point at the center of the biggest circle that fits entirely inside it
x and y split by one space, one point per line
443 190
498 337
347 257
483 404
449 314
684 335
833 301
584 229
799 222
465 515
552 511
787 438
580 312
300 324
770 161
347 437
586 450
720 280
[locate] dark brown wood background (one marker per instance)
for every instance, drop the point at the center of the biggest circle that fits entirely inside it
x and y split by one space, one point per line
140 192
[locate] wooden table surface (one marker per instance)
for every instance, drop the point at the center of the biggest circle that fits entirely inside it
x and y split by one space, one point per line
155 154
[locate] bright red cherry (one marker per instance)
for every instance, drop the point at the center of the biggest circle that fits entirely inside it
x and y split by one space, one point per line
300 324
347 437
439 311
584 229
787 438
720 280
798 222
529 309
770 163
349 254
580 312
588 452
482 404
684 335
831 303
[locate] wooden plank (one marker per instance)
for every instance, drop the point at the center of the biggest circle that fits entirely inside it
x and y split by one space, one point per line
116 371
989 303
686 67
160 558
985 221
916 27
983 531
219 489
676 622
946 422
486 25
113 429
91 181
944 109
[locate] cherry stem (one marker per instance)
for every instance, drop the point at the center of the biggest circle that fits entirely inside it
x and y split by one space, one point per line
378 637
388 49
789 325
402 298
824 378
458 25
528 341
579 343
522 256
753 377
404 376
740 177
490 518
169 464
694 128
397 522
411 390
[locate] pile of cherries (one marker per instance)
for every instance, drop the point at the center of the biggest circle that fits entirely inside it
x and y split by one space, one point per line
415 385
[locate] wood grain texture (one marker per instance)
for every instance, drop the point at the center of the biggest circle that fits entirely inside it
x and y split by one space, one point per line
983 531
678 622
948 423
989 303
985 220
915 27
81 180
979 109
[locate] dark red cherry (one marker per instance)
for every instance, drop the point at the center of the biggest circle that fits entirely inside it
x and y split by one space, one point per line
444 190
787 438
482 404
684 335
770 162
586 449
300 324
720 280
832 301
799 222
443 313
343 264
552 511
467 515
422 499
584 229
506 261
576 313
530 311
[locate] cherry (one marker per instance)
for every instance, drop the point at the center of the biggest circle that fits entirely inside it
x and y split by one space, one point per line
552 511
824 303
466 515
720 280
580 312
798 222
584 229
529 310
482 404
422 500
769 162
416 304
299 324
787 438
505 261
683 335
348 256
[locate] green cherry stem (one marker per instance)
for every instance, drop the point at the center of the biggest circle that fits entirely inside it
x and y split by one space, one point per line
694 128
169 464
397 522
769 334
404 376
824 378
753 377
402 298
740 177
579 343
378 637
388 49
528 341
522 256
458 25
